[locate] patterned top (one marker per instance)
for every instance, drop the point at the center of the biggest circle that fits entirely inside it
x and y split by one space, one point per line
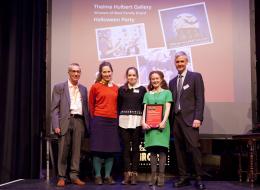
130 101
130 106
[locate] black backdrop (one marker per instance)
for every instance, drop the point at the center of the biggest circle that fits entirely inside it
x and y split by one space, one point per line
22 84
257 36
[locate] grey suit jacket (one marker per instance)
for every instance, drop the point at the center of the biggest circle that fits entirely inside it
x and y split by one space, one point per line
192 98
60 106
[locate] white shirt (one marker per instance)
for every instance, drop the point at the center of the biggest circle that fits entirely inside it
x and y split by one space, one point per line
130 121
75 99
135 86
183 74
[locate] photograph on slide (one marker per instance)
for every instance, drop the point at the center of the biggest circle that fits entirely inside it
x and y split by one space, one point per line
160 59
186 25
121 41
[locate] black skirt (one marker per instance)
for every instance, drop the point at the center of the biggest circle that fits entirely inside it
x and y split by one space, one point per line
104 135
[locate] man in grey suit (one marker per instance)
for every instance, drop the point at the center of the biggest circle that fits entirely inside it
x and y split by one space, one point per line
188 93
69 118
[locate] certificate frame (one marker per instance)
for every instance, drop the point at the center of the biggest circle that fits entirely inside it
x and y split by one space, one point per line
154 115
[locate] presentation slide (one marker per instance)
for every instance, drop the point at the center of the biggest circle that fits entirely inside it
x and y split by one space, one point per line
147 33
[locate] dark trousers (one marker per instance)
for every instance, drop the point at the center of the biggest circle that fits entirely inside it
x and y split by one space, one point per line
70 142
186 140
131 140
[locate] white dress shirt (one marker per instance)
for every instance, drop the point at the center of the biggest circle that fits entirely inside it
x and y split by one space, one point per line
75 99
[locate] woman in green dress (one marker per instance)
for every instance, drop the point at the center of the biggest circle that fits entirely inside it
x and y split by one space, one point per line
157 137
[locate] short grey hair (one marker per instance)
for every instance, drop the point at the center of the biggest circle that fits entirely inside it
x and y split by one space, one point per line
181 53
73 64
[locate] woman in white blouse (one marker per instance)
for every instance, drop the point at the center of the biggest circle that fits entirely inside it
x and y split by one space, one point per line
130 107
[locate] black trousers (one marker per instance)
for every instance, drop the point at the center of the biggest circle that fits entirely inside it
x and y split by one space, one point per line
186 140
130 140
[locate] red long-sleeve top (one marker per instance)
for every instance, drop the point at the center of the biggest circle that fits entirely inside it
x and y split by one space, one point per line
103 100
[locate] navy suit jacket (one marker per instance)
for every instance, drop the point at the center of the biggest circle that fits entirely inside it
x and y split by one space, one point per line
192 98
60 107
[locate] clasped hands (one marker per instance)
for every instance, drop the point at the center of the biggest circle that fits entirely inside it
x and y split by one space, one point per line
161 126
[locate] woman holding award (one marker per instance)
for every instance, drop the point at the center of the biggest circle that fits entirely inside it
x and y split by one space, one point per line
130 107
157 104
104 139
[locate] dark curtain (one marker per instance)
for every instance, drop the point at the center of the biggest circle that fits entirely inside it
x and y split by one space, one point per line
22 84
257 37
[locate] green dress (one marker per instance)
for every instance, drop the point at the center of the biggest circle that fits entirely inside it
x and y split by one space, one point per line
156 137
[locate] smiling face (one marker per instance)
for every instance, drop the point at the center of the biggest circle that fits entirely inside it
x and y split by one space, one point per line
156 80
181 63
106 73
132 77
74 74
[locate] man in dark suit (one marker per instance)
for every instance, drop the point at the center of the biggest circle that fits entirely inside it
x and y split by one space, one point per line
187 114
69 118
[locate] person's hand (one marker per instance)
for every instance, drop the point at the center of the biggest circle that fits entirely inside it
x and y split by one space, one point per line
196 123
145 126
57 131
162 125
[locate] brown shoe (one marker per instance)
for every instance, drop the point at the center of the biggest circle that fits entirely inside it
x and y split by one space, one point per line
98 180
61 183
153 179
126 180
78 182
109 180
160 181
134 178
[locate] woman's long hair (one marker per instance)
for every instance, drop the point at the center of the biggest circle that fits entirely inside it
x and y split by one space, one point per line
103 64
163 83
125 87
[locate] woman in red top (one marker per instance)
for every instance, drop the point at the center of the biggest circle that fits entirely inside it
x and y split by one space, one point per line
104 139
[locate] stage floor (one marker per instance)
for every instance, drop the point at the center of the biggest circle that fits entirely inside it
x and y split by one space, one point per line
43 185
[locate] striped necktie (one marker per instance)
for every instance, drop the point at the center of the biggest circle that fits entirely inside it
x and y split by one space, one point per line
179 87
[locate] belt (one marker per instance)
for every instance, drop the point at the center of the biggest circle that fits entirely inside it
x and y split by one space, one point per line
76 116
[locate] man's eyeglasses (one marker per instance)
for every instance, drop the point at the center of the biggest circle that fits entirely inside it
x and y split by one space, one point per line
75 71
182 61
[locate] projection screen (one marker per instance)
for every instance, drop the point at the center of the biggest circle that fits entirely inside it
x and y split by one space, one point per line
145 33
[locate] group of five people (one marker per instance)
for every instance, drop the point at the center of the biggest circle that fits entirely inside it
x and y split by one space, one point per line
115 115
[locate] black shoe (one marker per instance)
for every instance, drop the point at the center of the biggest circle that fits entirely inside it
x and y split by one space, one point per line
182 182
199 185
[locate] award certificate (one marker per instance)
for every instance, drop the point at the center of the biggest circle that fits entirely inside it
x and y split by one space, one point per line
154 115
